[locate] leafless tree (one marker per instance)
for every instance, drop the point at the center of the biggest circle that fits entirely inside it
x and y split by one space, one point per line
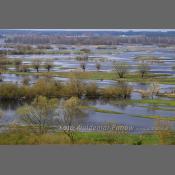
48 65
36 64
121 68
154 88
83 66
40 114
17 63
69 110
143 69
98 66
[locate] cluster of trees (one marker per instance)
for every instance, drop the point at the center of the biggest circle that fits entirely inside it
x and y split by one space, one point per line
149 59
42 115
84 59
20 67
43 47
122 68
4 62
37 63
51 88
152 91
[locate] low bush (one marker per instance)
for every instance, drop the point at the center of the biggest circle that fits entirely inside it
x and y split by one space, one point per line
52 88
116 92
92 90
74 87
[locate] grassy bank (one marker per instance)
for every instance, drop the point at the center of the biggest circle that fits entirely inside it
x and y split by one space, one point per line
100 75
100 110
156 102
43 51
155 117
16 138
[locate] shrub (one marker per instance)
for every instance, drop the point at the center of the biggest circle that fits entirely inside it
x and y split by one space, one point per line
44 47
74 87
138 141
24 68
10 91
92 90
47 87
51 88
17 63
26 81
116 92
4 62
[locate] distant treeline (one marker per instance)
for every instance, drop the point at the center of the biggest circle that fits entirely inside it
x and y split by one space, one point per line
86 33
91 40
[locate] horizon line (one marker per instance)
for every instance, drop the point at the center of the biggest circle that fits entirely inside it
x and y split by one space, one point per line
124 30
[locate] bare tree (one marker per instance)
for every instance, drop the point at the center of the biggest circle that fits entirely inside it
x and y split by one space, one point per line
143 69
125 89
83 66
39 115
154 88
36 64
1 78
121 68
70 109
48 65
98 66
17 63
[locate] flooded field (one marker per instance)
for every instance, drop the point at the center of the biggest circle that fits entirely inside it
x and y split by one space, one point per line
125 113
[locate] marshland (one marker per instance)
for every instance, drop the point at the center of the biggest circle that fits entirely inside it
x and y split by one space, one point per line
51 83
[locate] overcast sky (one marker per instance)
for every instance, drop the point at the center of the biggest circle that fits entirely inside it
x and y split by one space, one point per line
163 30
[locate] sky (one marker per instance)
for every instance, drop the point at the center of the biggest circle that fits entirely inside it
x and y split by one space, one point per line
163 30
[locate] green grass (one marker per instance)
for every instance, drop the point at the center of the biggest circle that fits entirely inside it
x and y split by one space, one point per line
44 51
155 117
166 80
157 108
23 137
106 138
96 75
169 95
157 102
107 111
106 76
100 110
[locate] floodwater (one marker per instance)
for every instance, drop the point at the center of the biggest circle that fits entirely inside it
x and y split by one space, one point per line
129 113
